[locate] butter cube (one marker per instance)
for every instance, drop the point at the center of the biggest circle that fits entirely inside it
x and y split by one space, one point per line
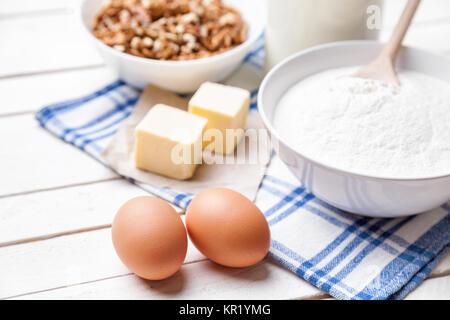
225 107
169 142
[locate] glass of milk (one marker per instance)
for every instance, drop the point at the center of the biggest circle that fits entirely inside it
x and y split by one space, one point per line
293 25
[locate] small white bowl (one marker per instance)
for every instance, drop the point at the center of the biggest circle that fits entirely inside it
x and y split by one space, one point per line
361 194
178 76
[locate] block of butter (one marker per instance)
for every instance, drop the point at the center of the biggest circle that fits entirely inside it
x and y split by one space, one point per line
169 142
226 109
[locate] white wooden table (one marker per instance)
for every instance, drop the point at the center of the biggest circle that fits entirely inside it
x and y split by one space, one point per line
56 203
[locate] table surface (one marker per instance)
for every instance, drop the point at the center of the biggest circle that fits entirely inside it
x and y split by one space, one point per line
56 203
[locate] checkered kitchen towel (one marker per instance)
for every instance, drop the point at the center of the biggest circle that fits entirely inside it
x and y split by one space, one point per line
348 256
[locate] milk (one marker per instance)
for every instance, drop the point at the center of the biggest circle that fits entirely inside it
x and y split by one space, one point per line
293 25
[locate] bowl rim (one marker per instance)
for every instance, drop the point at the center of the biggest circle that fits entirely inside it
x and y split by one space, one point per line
268 78
169 63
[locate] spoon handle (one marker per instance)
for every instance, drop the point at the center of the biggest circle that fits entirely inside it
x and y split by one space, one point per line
395 42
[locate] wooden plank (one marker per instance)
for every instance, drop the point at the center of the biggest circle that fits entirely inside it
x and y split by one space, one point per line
44 43
28 93
15 7
64 210
29 261
63 261
58 42
432 289
429 10
32 159
201 280
78 261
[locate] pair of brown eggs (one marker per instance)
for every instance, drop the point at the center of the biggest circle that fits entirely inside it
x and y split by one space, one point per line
151 239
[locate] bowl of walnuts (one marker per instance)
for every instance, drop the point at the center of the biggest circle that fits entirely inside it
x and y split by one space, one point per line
174 44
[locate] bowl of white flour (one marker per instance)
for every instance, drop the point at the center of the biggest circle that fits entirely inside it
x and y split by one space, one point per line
362 145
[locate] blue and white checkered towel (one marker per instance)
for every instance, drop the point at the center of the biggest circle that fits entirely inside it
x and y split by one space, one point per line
348 256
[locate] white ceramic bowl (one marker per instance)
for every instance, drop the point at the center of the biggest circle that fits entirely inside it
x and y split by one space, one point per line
178 76
362 194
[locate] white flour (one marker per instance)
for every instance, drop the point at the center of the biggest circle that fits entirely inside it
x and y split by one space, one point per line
370 127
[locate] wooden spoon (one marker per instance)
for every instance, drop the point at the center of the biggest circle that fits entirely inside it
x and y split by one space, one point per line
383 67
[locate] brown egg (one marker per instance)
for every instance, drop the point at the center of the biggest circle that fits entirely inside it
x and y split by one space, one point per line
149 237
228 228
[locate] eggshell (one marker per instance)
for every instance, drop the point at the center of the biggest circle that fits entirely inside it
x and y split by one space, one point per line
228 228
149 237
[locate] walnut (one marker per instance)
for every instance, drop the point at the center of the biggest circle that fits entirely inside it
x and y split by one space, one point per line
170 30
